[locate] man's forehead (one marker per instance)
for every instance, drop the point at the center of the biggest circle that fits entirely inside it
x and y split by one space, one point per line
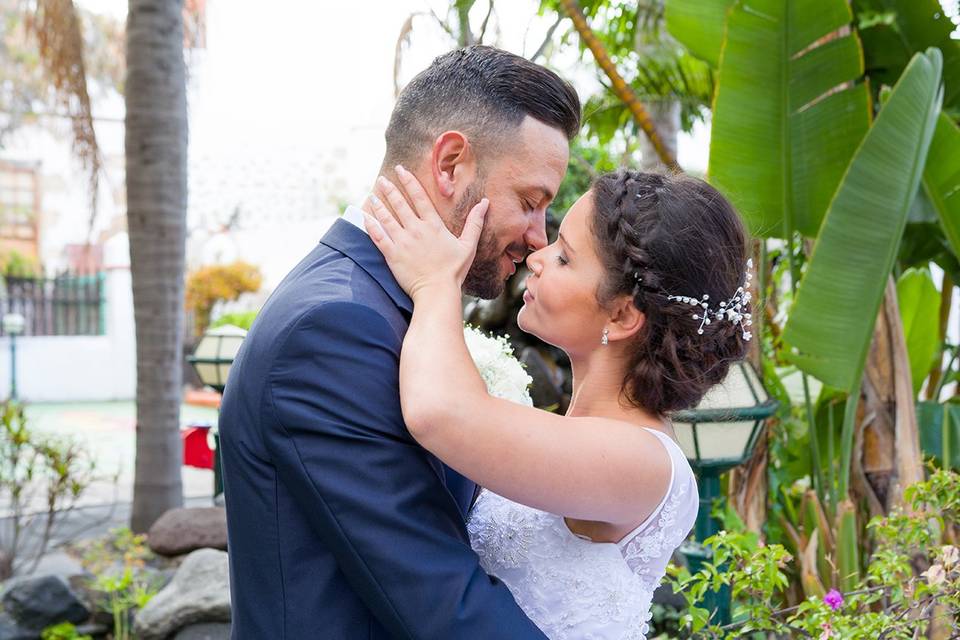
538 157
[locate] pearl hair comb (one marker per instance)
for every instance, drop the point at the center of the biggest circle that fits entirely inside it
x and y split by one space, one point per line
730 310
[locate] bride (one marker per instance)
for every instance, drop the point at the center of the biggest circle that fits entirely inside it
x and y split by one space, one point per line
644 289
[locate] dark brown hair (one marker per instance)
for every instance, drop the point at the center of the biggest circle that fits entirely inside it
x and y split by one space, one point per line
483 92
661 235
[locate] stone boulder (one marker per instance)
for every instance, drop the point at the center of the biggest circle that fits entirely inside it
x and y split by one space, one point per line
183 530
206 631
10 630
36 602
199 593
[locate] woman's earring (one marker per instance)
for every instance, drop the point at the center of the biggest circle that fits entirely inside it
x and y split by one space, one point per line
605 339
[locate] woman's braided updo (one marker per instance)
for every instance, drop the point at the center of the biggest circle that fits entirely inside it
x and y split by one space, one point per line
662 235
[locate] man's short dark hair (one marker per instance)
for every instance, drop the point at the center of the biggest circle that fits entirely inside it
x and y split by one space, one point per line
482 91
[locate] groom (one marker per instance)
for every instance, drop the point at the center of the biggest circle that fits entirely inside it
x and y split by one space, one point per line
340 525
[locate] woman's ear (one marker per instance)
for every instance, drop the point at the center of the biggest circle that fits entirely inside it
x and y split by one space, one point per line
452 163
625 319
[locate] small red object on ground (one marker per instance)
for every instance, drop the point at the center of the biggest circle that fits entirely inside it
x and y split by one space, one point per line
196 449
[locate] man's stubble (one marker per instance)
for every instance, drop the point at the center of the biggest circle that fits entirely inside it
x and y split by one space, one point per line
483 280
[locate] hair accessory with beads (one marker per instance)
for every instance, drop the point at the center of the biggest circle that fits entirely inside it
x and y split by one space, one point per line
730 310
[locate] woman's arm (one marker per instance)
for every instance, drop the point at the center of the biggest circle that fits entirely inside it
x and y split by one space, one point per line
585 468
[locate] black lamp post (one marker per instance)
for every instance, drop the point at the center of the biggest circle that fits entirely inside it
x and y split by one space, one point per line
14 325
716 436
211 360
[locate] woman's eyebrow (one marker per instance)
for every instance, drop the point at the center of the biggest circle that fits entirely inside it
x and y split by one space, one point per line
564 241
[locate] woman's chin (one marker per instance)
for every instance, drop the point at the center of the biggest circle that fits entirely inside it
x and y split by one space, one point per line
526 326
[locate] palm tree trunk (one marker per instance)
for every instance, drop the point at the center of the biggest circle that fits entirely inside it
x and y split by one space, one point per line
666 121
620 87
156 177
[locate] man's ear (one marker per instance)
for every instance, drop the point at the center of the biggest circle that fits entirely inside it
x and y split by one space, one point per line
625 320
452 163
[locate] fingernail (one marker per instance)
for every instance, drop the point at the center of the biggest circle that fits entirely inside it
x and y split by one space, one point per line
375 199
399 169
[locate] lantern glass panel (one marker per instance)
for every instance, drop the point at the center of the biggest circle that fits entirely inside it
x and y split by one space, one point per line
207 372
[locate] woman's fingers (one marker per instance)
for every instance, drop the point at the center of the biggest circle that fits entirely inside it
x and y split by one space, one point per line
474 224
391 194
388 224
376 232
422 204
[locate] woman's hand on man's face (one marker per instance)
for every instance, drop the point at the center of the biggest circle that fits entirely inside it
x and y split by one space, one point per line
417 245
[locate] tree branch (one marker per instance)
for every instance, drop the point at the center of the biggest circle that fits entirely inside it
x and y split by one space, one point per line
547 38
620 86
486 19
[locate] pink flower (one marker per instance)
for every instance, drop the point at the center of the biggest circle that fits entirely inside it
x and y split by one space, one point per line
834 599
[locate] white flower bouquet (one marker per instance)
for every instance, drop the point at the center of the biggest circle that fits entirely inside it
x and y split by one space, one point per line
503 374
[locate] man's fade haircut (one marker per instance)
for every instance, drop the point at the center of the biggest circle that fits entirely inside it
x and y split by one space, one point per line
483 92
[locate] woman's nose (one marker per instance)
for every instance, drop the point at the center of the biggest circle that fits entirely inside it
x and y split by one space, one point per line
534 263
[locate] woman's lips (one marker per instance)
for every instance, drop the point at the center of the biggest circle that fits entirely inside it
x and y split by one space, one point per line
527 296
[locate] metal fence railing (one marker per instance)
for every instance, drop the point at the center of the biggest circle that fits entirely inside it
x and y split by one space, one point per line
68 304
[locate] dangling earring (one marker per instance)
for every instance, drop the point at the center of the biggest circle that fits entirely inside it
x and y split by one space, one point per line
605 340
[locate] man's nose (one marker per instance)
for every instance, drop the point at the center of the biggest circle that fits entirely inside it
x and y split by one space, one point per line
536 235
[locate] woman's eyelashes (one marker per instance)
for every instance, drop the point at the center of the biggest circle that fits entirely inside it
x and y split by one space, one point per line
561 260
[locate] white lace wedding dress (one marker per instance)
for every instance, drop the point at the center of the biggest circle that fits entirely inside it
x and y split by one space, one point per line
571 587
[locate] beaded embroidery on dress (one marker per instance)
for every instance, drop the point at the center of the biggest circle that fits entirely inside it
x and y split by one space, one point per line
576 589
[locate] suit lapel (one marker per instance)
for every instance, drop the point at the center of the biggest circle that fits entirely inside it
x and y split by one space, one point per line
357 245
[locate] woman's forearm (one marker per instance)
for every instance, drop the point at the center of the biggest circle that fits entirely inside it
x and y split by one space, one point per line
438 380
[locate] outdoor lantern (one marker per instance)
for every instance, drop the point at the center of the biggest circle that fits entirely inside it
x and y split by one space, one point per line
211 360
716 436
215 353
721 432
13 325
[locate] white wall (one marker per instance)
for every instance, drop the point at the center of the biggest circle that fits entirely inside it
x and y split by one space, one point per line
82 368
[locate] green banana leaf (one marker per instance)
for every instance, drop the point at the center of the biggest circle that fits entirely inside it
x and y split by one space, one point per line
919 303
698 25
930 417
941 178
830 326
789 111
893 30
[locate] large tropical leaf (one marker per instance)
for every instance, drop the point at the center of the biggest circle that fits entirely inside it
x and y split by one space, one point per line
698 25
830 325
789 111
941 178
894 30
919 303
930 419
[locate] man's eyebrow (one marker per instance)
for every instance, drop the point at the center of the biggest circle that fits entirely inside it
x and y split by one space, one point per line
564 240
545 193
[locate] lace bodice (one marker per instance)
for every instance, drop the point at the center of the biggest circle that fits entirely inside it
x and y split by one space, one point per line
571 587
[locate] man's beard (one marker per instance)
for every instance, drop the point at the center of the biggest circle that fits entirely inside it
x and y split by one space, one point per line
483 280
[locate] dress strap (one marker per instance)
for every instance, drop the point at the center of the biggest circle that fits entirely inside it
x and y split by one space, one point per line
666 441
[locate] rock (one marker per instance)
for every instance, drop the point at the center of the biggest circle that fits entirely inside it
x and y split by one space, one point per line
41 601
198 593
184 530
95 630
544 390
489 314
207 631
10 630
59 563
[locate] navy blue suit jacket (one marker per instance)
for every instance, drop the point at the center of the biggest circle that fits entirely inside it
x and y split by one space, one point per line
339 524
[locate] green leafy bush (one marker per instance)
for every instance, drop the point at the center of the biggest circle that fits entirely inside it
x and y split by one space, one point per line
912 580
